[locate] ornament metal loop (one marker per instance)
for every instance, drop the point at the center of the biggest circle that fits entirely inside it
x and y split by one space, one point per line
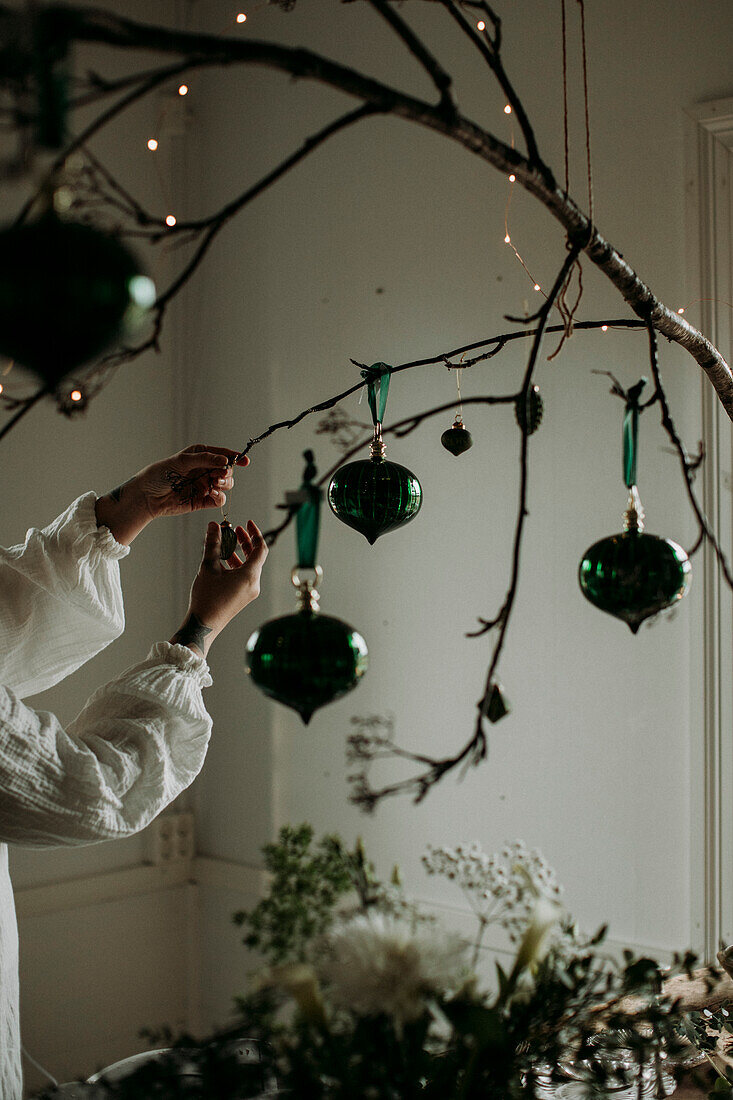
308 594
377 449
634 514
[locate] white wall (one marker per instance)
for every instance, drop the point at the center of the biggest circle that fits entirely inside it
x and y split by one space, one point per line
388 244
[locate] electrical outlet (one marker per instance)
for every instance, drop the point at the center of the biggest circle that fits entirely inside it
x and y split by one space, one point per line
171 839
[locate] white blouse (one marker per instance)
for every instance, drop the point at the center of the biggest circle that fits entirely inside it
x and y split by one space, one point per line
138 742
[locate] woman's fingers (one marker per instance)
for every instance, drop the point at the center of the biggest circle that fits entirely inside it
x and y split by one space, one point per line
212 545
199 450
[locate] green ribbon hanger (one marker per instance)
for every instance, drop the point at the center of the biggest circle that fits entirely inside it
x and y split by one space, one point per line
308 518
377 379
631 432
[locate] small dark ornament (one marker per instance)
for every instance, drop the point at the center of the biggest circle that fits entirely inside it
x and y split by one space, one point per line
457 439
67 292
633 575
495 707
374 496
529 423
229 540
306 660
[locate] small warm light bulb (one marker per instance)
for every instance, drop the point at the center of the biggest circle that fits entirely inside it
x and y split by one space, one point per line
1 387
76 395
152 145
170 220
183 89
508 109
241 18
537 286
604 328
681 309
480 26
512 178
507 239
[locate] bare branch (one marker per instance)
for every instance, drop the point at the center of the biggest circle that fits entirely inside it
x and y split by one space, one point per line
199 49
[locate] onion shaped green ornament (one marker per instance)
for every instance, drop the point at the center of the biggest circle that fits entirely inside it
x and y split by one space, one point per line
457 439
374 496
306 660
67 293
634 575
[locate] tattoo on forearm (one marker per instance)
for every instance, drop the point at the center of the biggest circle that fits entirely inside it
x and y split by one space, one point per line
193 632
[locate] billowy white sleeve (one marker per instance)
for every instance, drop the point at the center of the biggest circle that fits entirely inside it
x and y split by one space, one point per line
139 741
60 599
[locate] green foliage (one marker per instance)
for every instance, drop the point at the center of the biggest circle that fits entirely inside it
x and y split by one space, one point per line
462 1042
307 882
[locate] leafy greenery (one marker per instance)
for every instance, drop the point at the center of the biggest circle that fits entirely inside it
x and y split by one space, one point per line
362 1001
307 882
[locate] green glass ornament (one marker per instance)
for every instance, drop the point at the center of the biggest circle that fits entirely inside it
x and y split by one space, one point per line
306 660
633 575
374 496
67 293
529 413
457 438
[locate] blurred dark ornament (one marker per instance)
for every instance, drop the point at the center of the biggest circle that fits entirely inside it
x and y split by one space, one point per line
306 660
67 293
228 540
374 496
529 412
633 575
457 438
495 706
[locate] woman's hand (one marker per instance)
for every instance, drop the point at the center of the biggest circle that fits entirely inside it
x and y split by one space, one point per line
220 591
197 477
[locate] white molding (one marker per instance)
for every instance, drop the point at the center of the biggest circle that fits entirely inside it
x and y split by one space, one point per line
77 893
711 224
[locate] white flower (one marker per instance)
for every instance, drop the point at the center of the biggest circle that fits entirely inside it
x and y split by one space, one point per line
376 964
538 935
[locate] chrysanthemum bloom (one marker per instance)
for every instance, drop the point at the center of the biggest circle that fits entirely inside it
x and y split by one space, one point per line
376 964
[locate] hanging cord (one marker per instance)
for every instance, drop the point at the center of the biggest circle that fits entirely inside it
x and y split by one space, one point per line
587 112
565 94
459 412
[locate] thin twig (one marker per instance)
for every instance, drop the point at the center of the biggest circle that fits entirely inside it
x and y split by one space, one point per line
225 215
475 749
435 70
490 49
686 464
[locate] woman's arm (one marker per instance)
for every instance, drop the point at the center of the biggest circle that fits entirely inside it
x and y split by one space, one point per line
138 742
60 595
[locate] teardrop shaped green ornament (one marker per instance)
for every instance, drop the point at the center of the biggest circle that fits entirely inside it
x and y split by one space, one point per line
306 660
374 496
457 439
67 292
634 575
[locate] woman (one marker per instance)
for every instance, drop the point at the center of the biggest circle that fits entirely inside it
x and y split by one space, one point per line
142 738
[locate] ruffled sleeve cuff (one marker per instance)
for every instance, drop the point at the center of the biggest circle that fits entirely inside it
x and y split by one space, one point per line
83 513
185 659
